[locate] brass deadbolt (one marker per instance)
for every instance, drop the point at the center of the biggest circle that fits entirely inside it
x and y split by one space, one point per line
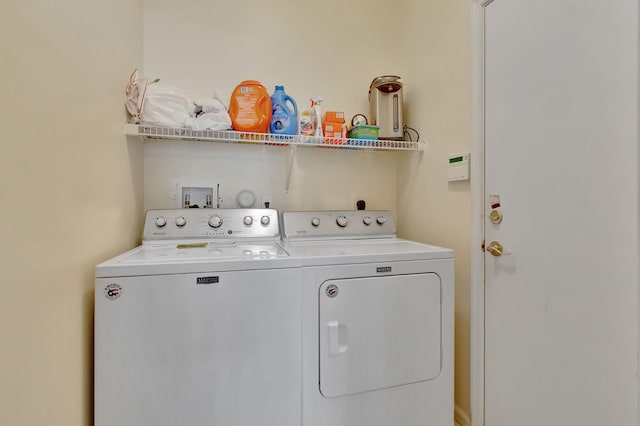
495 217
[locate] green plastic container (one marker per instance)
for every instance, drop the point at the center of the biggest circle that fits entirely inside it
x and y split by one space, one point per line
364 131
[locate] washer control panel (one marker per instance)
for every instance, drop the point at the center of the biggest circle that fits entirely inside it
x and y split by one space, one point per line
203 224
338 224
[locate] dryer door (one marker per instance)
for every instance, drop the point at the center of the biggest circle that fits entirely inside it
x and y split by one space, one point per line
379 332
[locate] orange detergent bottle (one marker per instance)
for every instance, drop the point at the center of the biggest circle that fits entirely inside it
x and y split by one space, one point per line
250 107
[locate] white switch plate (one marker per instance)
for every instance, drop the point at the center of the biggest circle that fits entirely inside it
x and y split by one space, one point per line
458 167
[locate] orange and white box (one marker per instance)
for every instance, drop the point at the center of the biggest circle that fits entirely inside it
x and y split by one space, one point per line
334 116
334 130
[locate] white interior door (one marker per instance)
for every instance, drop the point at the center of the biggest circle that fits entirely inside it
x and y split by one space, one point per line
561 159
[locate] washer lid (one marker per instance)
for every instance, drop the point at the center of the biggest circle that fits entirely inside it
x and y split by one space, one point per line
337 252
204 252
196 257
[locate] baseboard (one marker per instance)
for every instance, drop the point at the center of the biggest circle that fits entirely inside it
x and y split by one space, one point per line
461 417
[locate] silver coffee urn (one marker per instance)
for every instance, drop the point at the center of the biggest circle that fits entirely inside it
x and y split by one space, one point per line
385 101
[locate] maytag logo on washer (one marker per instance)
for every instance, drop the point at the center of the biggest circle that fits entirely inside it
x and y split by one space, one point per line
381 269
112 291
207 280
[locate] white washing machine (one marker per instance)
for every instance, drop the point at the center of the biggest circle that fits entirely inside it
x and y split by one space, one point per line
200 325
377 321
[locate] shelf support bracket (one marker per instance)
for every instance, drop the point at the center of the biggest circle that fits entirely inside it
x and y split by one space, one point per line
292 157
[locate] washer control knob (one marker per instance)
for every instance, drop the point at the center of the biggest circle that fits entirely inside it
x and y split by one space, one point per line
265 220
381 220
161 221
248 220
315 221
342 221
181 221
215 221
367 220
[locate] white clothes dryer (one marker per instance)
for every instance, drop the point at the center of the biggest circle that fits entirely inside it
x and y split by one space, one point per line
200 325
377 321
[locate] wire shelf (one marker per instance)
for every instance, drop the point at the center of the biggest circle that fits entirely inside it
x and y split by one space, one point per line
230 136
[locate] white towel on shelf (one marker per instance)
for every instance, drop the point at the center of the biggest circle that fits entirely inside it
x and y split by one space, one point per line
210 121
166 106
210 105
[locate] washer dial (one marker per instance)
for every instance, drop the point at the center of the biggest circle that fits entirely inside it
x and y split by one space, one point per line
181 221
342 221
160 221
215 221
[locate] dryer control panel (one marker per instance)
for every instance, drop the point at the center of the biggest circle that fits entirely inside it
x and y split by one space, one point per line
211 224
331 224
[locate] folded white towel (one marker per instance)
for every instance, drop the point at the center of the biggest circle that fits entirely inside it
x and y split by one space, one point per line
210 121
213 104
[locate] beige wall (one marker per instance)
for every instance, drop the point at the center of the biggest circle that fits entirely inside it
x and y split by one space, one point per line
72 183
71 189
438 103
333 51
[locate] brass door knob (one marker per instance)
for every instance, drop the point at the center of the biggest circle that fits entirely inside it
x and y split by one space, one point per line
495 248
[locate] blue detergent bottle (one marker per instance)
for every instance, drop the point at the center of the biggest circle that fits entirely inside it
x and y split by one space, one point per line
284 118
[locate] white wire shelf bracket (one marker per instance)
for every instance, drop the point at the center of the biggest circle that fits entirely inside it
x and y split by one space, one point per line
157 132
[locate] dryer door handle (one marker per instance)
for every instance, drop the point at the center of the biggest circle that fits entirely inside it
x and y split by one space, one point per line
337 337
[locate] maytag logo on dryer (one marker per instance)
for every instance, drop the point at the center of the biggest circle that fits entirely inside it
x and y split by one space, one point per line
112 291
208 280
383 269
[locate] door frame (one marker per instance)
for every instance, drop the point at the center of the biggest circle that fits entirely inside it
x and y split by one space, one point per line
477 223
